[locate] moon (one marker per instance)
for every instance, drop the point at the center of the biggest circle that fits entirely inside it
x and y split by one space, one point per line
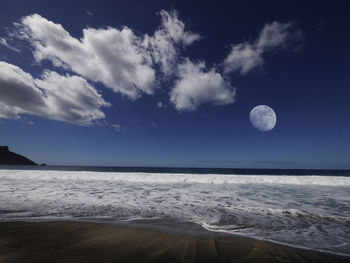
263 118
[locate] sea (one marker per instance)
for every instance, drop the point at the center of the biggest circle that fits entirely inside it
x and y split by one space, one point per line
299 208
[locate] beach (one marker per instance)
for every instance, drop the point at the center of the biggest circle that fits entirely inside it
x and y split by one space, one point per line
96 242
305 211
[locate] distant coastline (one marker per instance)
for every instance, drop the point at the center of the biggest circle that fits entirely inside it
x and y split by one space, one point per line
10 158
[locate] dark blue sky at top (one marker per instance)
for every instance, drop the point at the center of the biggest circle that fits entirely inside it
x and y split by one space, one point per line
307 85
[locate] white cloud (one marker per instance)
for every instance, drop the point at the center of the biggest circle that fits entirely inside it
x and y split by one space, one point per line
128 63
88 12
275 35
65 98
3 42
117 127
163 51
71 98
245 57
165 43
18 93
108 55
176 29
118 58
196 85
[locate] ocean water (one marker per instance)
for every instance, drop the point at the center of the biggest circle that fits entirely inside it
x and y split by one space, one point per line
309 209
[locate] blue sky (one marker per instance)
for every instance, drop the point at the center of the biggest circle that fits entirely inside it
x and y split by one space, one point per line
172 83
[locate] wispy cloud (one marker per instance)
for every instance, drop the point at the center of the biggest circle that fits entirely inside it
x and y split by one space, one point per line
245 57
88 12
166 42
4 42
117 127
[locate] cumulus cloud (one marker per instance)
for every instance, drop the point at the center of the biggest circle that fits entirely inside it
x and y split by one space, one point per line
65 98
18 92
118 58
113 57
196 86
245 57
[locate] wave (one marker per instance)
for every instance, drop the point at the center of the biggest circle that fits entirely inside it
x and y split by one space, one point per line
177 178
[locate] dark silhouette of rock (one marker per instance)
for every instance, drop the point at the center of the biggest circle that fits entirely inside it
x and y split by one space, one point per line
43 164
7 157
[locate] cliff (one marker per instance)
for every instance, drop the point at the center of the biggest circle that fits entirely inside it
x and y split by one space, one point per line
7 157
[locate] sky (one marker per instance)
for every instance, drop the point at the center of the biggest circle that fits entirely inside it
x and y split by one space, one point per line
173 83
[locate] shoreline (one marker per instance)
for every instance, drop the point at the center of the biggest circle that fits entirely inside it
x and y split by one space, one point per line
162 241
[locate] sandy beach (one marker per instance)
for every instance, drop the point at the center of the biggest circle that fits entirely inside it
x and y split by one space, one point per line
92 242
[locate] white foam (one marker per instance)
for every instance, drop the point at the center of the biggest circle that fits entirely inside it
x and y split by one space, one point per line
176 178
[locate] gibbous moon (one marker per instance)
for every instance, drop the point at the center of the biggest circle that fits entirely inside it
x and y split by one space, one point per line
263 118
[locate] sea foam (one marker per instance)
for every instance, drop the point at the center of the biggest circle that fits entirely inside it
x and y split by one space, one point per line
177 178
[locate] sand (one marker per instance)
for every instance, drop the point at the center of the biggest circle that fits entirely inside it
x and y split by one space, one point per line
92 242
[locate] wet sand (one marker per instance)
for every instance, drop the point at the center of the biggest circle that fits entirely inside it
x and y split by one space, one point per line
92 242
